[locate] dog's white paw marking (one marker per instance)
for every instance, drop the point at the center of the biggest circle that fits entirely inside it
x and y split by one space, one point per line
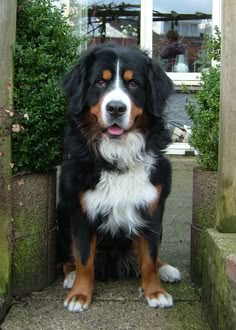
75 306
163 300
169 274
69 280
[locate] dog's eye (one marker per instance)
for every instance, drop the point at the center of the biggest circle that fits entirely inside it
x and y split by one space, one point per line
101 83
132 84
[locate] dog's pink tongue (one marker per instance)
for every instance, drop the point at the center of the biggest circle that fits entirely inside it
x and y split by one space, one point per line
115 130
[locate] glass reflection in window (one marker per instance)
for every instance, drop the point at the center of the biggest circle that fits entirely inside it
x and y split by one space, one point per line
106 20
180 29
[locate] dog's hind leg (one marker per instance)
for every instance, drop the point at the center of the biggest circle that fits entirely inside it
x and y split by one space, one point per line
70 274
168 273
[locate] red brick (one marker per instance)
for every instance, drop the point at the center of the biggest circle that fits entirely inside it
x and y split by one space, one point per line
230 266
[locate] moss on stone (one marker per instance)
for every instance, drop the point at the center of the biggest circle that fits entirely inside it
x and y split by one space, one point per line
198 252
34 203
218 290
204 198
5 267
227 225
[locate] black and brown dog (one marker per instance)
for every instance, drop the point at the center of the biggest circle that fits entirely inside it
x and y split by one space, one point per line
114 178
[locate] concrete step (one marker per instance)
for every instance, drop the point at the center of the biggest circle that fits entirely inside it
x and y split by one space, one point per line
116 305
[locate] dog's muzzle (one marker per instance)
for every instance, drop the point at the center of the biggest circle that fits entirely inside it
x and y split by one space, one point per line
115 118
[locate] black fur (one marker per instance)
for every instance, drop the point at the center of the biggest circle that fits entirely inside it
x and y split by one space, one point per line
83 164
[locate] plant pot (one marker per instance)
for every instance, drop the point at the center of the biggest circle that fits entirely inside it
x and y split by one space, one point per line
33 232
203 217
204 198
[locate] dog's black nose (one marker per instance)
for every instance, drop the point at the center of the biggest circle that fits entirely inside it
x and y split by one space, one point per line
116 108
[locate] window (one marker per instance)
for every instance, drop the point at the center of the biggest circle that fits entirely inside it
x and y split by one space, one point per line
106 20
102 20
179 36
120 21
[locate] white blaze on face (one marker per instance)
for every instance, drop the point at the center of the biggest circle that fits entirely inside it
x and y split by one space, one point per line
117 94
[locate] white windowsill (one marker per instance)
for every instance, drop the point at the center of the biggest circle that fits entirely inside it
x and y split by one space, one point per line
180 149
185 78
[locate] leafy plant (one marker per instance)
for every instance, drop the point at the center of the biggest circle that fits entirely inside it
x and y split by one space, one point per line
214 45
45 48
205 112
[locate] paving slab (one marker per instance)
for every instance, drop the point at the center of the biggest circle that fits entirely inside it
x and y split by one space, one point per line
118 304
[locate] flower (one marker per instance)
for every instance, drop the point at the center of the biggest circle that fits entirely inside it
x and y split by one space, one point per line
16 128
9 112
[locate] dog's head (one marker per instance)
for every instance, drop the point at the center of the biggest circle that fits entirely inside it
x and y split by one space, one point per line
114 90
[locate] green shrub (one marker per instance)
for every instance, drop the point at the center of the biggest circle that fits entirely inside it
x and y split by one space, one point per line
45 48
205 112
214 45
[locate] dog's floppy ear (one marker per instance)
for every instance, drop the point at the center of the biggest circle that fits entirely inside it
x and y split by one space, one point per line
75 82
160 87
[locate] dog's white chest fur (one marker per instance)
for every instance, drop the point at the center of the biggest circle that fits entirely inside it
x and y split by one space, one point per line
118 197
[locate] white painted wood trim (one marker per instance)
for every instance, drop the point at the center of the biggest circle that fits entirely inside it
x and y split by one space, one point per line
146 25
178 148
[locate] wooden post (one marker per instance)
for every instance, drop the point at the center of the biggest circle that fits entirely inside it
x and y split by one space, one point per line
226 194
7 40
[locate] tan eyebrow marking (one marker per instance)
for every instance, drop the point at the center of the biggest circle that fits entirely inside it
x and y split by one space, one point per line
106 74
128 75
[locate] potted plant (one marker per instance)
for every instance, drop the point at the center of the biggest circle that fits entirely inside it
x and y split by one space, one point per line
45 48
204 114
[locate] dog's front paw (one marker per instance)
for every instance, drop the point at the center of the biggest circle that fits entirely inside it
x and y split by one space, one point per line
69 280
160 300
169 274
78 303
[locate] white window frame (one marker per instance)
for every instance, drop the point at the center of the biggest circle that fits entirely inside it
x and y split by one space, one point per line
188 78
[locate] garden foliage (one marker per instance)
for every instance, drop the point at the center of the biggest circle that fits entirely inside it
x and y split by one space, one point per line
205 112
45 49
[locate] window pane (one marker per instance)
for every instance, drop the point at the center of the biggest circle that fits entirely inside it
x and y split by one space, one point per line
180 28
106 20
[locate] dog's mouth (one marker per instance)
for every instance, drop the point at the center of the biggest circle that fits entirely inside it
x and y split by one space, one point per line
115 131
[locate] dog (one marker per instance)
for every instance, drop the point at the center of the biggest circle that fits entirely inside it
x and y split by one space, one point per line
114 177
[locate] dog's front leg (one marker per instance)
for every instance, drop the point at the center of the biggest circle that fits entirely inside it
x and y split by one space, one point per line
84 247
152 289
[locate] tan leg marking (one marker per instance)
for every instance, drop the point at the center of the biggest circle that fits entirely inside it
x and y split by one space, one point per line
152 289
80 296
149 279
